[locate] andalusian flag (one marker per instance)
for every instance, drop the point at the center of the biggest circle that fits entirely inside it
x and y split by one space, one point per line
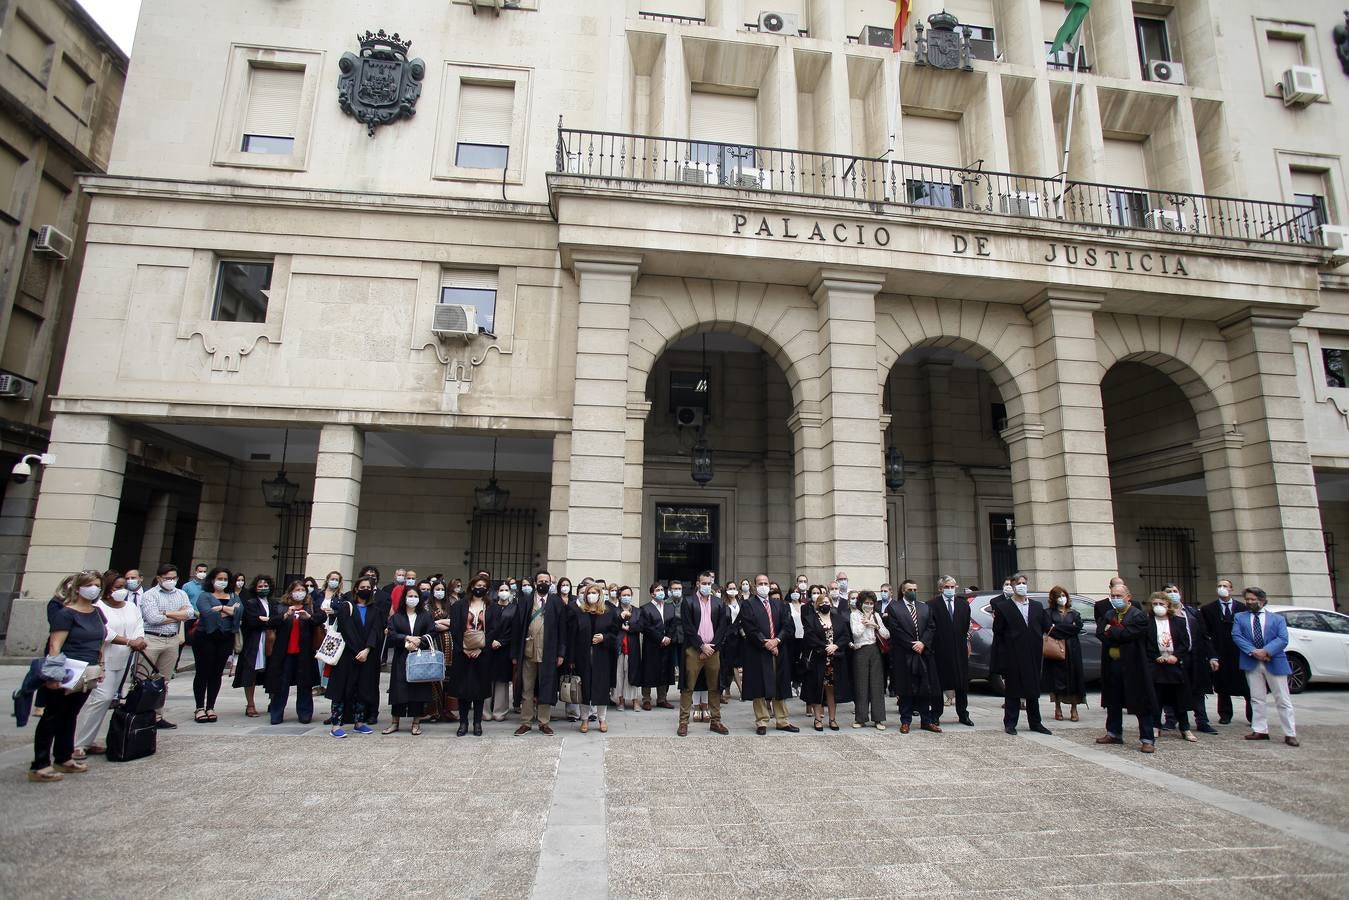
1077 11
902 10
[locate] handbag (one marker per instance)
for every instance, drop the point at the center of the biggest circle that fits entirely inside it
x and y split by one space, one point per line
569 689
1055 648
147 694
425 666
331 647
475 640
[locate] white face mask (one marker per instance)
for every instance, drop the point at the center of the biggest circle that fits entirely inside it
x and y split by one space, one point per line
565 589
221 585
762 591
503 595
91 592
592 599
1159 609
200 576
732 594
1062 601
704 589
333 584
168 584
119 595
411 602
796 595
527 590
1021 590
676 593
399 579
659 595
1224 593
1007 590
439 594
744 586
297 596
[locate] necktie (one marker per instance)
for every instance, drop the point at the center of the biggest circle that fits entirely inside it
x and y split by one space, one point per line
951 609
1227 611
1256 632
913 614
769 609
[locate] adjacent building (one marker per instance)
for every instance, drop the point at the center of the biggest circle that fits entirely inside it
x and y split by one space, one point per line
345 289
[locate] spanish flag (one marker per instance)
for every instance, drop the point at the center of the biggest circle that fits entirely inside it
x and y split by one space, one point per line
902 10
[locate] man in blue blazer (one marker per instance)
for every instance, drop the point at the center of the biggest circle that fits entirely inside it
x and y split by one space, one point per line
1261 638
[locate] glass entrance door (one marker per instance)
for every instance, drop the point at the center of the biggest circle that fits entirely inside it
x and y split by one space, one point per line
686 541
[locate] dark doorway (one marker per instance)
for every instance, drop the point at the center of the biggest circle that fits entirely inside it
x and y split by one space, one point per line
686 541
502 543
1002 547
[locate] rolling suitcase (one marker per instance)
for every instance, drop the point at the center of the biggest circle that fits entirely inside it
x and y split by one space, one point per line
132 733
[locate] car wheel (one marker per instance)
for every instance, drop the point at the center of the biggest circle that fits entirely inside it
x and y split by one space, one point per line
997 685
1302 673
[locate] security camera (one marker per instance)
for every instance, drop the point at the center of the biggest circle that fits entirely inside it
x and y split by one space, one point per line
20 472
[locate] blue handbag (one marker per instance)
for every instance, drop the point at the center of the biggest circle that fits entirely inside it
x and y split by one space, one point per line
425 666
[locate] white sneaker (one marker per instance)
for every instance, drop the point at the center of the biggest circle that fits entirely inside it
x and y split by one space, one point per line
880 726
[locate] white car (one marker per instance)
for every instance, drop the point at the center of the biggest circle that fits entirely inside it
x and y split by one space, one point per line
1318 645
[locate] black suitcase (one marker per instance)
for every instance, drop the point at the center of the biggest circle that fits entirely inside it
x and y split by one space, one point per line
131 735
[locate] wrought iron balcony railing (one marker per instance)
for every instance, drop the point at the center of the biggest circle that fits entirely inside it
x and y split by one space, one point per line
645 158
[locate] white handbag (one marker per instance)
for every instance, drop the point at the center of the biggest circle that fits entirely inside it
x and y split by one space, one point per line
330 651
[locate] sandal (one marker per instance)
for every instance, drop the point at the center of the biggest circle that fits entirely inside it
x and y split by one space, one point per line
585 726
200 716
211 716
47 774
96 749
71 767
251 712
79 755
833 725
416 729
819 724
1073 715
390 730
604 726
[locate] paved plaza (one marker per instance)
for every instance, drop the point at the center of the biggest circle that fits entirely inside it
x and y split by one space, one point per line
243 809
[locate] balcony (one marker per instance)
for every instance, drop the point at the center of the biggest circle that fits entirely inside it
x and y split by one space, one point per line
631 159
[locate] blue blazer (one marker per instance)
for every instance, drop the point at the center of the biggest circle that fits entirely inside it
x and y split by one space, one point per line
1276 641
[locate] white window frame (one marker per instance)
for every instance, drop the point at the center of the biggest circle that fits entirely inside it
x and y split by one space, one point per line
234 107
1328 166
473 279
1311 51
447 138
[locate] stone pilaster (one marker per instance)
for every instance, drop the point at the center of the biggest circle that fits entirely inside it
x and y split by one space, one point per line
1073 522
634 464
16 526
211 515
1274 512
157 540
559 496
338 470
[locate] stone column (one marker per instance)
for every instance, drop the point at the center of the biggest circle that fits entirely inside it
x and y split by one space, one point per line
157 541
599 436
75 520
852 505
559 497
1073 522
337 501
211 514
16 527
1267 504
634 452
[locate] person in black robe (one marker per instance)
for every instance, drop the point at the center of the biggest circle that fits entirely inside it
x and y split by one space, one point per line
502 670
627 675
1064 679
540 653
767 677
475 624
1126 673
658 622
353 685
597 633
1019 627
1228 679
951 649
1167 642
913 664
409 629
291 662
251 665
827 634
1199 666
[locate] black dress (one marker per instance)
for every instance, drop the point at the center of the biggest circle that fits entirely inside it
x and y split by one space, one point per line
824 671
595 662
408 698
499 661
1064 679
246 673
472 678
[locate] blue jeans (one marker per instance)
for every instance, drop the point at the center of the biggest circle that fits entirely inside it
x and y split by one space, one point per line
304 700
1114 725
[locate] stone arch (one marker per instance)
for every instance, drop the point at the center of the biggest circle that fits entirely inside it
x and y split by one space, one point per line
1191 353
996 335
782 320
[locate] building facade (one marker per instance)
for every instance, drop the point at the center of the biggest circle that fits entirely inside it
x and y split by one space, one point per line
616 239
61 82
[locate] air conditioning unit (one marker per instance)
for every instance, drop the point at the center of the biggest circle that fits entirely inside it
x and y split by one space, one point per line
1023 203
757 179
1336 237
12 387
454 320
1302 85
691 172
493 5
690 416
778 23
1165 220
876 36
53 242
983 48
1165 70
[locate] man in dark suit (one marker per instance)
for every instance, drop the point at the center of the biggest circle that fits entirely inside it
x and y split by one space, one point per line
1228 679
1126 671
540 651
767 675
658 622
951 648
1200 663
705 622
1019 627
914 673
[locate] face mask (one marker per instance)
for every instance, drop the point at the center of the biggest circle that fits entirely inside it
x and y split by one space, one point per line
868 607
592 599
626 599
1253 605
732 594
1007 590
91 592
119 595
333 584
365 593
527 590
1021 590
565 589
802 586
200 576
503 595
411 602
439 594
822 605
1173 596
796 595
911 596
604 596
761 590
1117 602
1159 609
297 596
948 593
744 586
705 589
659 595
263 590
676 593
885 595
1224 593
399 579
169 584
221 585
480 592
1062 601
833 593
843 584
133 584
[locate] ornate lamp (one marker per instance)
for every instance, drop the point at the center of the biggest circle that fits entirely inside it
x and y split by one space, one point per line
492 498
701 465
279 493
894 469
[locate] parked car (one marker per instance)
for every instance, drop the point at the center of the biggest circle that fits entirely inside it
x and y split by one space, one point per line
981 636
1318 645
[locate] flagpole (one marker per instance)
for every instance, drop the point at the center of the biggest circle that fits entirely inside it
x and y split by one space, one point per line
1068 129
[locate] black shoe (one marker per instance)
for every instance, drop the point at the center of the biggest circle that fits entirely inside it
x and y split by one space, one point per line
1040 729
165 723
1225 720
966 720
477 728
1206 728
463 727
791 728
1009 729
761 730
592 718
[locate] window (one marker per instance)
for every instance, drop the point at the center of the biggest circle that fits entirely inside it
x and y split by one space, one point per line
1307 621
998 417
1285 51
30 48
1063 58
1334 622
1153 45
1128 209
484 133
273 109
242 289
475 289
1309 189
1332 362
72 88
934 193
689 389
723 129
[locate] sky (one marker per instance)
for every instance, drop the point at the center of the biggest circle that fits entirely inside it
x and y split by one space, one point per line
117 17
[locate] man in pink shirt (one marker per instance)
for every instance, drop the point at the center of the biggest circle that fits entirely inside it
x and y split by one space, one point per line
706 622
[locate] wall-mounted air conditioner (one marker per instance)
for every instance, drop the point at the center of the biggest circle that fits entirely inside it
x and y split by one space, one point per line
690 416
1023 203
12 387
454 320
691 172
758 179
1166 71
1165 220
493 5
1302 85
1336 237
779 23
53 242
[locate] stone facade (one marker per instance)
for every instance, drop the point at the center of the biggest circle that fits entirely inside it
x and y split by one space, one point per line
1074 397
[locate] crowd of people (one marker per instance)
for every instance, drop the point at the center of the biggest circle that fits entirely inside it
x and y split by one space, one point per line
523 646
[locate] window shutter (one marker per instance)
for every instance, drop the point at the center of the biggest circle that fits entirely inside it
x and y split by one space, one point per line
1052 14
723 118
468 278
973 12
1305 182
485 112
1126 163
273 101
931 141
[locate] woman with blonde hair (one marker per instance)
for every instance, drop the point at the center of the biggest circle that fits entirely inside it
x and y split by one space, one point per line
74 666
1167 643
596 639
